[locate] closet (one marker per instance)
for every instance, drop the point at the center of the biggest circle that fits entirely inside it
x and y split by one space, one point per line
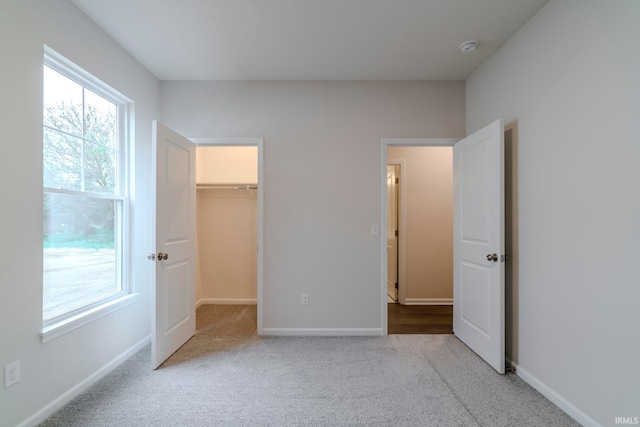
227 230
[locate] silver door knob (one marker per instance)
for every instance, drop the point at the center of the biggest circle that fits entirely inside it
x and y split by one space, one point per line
151 257
162 257
492 257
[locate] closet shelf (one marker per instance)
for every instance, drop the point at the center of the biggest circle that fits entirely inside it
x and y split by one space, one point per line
226 186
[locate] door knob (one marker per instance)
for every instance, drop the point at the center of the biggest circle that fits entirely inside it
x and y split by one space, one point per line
492 257
151 257
162 257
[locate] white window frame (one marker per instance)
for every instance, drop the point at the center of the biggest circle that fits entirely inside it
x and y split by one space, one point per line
73 319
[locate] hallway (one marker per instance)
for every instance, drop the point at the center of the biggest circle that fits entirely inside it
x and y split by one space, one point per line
420 319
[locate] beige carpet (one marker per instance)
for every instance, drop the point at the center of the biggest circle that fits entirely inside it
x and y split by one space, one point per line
228 376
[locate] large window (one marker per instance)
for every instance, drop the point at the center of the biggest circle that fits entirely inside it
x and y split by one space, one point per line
85 192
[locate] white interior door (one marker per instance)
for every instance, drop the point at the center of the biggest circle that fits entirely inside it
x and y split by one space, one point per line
173 168
478 276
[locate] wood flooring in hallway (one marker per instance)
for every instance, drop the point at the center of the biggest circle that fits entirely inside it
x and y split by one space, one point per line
420 319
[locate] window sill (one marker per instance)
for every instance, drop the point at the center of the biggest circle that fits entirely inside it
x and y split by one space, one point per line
56 330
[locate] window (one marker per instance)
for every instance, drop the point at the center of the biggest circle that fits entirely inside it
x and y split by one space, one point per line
85 193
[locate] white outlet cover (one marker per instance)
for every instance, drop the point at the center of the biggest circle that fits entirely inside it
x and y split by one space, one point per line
11 374
375 230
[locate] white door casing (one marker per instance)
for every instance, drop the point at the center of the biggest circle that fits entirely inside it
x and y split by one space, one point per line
173 309
478 276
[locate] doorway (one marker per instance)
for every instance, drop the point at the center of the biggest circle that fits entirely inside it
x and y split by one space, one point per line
418 251
174 276
478 238
237 194
420 238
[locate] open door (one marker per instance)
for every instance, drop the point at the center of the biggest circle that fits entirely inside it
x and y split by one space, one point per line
173 313
478 220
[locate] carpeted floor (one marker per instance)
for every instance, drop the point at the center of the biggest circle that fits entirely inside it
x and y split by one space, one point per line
228 376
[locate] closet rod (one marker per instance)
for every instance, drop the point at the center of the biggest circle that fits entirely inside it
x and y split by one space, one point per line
226 187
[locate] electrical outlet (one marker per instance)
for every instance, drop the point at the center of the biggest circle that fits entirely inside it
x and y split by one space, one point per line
11 374
304 299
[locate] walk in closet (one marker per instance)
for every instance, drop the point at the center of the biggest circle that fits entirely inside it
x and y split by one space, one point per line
227 183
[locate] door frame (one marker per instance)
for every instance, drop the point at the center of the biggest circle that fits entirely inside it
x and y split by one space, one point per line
385 144
249 142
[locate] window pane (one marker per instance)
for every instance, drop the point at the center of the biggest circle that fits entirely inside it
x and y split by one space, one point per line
100 119
99 168
62 157
80 263
62 99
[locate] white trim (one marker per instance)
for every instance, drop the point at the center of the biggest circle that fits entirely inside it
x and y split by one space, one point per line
69 324
238 142
251 142
87 194
384 146
556 398
228 301
66 397
429 301
420 142
322 332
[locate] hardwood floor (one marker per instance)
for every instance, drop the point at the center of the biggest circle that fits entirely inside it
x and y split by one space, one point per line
420 319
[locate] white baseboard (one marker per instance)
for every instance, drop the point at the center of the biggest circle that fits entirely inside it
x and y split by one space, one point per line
428 301
82 386
321 332
234 301
555 398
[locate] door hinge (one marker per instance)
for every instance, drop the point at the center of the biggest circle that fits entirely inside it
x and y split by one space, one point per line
504 258
396 285
396 233
397 180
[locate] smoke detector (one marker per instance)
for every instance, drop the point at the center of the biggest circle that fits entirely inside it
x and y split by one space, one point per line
468 46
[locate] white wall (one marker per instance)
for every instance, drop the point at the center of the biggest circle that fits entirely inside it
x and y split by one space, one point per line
570 78
322 181
227 241
226 165
50 370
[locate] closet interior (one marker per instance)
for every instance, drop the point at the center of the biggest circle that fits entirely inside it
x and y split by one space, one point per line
227 230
